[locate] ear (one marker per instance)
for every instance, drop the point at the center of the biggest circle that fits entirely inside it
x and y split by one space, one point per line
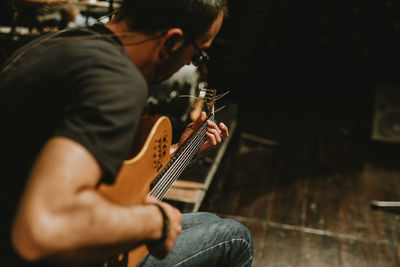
172 41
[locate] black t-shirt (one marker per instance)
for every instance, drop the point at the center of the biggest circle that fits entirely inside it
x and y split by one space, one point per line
80 84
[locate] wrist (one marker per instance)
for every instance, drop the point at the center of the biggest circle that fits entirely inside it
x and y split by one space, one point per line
165 224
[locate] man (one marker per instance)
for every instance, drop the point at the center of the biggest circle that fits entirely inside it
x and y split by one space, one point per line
70 104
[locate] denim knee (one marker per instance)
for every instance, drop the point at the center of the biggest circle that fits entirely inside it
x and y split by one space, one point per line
241 242
239 231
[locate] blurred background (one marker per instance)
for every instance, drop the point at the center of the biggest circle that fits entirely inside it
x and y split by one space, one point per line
312 165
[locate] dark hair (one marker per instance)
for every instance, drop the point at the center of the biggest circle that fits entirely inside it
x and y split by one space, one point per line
194 17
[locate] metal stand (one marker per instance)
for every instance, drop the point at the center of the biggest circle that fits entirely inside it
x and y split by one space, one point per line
385 204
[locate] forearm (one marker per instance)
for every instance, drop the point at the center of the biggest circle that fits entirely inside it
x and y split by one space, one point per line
92 214
61 212
73 229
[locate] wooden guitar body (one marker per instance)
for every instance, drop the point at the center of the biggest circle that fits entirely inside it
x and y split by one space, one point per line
150 165
151 154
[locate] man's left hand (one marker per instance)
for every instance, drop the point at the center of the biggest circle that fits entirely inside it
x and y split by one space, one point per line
215 133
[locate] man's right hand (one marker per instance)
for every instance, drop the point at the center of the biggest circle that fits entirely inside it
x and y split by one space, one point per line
160 250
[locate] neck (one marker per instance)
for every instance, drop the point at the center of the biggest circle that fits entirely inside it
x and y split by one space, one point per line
142 49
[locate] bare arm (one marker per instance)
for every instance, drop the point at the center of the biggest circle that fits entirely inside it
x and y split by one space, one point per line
61 213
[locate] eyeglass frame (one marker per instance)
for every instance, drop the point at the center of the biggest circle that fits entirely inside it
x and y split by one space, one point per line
200 57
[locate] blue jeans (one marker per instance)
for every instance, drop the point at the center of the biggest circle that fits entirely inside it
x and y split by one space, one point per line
208 240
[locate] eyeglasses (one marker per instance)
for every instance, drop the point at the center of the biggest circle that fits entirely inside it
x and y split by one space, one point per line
200 57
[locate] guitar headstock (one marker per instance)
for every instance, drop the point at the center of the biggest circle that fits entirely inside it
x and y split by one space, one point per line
208 95
205 102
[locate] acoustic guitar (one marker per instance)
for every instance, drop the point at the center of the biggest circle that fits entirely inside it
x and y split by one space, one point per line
152 170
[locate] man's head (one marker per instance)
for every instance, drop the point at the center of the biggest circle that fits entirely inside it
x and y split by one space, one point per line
181 27
149 17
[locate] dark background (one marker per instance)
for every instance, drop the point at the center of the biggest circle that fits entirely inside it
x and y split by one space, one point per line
305 75
316 56
299 47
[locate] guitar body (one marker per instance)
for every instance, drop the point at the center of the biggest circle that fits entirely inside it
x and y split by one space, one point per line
150 155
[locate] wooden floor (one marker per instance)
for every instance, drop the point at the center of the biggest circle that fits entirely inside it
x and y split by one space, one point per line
302 179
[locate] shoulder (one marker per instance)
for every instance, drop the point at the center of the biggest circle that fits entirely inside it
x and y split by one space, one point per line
102 63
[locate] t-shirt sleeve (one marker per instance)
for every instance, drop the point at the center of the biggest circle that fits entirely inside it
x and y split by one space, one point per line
108 100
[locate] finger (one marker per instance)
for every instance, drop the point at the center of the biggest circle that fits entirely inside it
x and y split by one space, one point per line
224 130
216 134
211 138
203 116
200 120
179 229
190 125
213 125
175 230
150 200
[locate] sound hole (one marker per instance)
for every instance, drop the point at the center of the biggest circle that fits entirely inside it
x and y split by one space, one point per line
160 151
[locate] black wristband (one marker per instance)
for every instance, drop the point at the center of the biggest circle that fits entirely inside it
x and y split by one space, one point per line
165 224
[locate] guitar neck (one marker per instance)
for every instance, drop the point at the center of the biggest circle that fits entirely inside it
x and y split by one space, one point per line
179 161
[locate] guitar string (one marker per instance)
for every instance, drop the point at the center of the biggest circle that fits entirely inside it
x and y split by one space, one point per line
179 157
160 189
175 175
191 150
191 153
165 183
169 170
